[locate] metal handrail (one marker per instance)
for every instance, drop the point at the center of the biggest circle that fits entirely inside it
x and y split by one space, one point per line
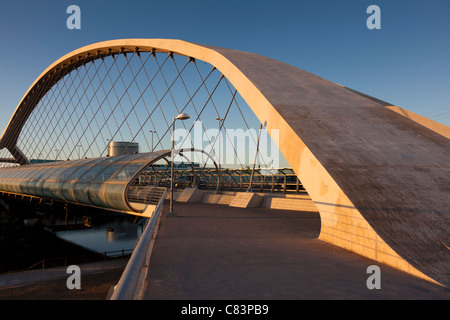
285 180
127 287
64 261
145 194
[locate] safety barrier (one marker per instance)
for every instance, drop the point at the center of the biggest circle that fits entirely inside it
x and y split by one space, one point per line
128 286
85 258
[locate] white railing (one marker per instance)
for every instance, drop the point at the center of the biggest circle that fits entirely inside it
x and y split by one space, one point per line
131 283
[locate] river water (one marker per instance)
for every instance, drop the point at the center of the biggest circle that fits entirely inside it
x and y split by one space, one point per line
114 235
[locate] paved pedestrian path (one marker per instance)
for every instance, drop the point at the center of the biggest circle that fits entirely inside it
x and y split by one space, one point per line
25 278
219 252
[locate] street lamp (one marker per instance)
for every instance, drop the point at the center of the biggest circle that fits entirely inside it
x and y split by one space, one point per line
218 137
152 132
107 146
181 116
79 149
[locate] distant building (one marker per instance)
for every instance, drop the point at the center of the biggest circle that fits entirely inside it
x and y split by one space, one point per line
118 148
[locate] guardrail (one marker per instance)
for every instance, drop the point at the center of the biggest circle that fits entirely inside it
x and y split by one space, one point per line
65 261
145 194
128 286
283 180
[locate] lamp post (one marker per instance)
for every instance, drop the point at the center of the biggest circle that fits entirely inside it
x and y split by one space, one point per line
218 137
107 146
152 132
181 116
79 149
254 162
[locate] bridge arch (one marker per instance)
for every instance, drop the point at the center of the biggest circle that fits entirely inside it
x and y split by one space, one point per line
368 169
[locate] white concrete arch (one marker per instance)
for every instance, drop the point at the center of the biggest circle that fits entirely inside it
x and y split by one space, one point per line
379 179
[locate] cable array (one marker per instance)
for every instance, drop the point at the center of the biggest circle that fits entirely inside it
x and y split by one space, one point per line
133 97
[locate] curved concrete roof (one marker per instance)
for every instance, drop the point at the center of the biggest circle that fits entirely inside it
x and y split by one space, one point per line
380 180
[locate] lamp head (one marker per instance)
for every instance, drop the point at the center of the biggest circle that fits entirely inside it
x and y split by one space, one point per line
182 116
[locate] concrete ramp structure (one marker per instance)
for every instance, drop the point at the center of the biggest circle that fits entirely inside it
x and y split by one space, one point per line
379 178
246 200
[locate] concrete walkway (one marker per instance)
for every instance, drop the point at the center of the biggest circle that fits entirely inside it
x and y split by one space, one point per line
219 252
97 278
25 278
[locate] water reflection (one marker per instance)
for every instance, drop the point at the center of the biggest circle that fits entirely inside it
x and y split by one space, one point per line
113 235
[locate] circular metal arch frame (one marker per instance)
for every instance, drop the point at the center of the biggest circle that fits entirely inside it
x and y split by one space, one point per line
181 152
331 137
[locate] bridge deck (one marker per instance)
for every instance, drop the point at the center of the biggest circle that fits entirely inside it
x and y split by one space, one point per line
219 252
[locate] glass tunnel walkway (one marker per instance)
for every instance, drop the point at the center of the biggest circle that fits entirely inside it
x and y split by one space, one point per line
99 182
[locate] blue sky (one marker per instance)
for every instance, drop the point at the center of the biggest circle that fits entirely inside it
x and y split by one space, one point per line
406 62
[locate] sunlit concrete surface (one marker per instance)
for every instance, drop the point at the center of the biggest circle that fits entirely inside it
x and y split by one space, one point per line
210 251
